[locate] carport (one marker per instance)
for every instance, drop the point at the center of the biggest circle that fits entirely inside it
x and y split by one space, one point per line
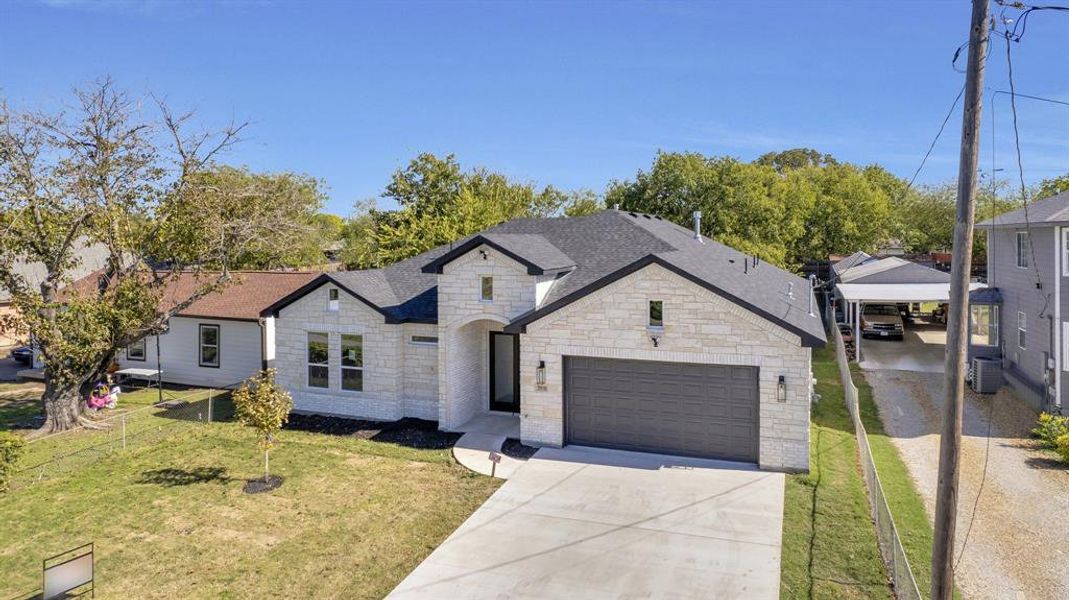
888 281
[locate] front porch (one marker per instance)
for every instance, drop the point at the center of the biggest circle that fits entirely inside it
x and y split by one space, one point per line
506 425
479 375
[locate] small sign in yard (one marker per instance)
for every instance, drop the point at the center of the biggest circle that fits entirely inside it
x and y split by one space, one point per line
495 458
67 572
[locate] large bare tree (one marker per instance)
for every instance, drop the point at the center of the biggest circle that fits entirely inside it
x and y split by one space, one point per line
127 173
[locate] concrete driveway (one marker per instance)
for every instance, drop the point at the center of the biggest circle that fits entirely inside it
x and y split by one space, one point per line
590 523
923 349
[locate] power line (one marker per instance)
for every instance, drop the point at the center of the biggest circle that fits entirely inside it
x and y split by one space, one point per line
935 140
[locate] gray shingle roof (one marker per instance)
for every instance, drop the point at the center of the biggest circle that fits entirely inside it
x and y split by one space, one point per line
91 258
594 249
1049 211
893 270
851 261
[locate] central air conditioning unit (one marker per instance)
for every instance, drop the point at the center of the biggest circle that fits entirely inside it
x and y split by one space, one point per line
986 375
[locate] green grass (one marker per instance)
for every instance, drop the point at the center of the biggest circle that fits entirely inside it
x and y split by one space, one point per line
170 519
829 539
905 502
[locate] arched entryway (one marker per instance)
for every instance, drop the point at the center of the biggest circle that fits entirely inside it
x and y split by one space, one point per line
480 371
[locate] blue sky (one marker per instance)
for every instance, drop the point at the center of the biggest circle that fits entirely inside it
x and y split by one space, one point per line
572 94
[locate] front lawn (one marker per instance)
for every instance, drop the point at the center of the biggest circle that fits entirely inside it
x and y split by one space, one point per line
169 519
829 539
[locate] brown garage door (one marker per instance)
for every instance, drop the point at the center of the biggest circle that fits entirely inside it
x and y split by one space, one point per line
673 408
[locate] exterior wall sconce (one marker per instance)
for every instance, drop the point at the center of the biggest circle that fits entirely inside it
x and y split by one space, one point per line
781 389
540 375
655 339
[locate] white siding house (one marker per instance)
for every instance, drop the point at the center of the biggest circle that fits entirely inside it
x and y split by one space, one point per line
231 352
221 339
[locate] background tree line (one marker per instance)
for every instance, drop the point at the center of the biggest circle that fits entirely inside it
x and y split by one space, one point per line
784 207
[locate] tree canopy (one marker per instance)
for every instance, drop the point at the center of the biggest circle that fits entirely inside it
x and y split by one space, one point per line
147 190
783 208
438 203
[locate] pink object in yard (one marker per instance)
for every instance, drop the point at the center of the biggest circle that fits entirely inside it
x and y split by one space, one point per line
96 402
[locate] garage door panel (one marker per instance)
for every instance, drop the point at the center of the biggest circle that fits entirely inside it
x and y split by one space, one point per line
676 408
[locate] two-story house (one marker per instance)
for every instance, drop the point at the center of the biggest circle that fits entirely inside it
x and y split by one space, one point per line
617 329
1028 263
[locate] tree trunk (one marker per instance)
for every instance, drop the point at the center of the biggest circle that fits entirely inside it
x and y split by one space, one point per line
267 472
63 408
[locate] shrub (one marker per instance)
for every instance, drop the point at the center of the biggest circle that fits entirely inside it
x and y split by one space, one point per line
1050 428
11 449
1063 447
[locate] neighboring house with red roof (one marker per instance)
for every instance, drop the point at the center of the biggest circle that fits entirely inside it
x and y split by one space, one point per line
221 339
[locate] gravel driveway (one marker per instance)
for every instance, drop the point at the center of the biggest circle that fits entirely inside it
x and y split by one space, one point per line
1019 543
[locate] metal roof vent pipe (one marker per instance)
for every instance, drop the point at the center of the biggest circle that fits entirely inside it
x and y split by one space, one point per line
698 227
812 286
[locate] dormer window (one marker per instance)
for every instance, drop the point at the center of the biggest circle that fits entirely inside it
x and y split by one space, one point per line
656 314
332 299
486 289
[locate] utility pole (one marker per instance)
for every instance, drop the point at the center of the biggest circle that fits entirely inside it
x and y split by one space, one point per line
946 503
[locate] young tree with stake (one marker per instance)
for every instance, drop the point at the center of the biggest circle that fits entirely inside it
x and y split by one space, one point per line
265 406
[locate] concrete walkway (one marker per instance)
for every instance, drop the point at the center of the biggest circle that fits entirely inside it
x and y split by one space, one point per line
473 450
483 434
590 523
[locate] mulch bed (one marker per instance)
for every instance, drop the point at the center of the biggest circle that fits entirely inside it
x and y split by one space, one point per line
411 433
259 486
512 448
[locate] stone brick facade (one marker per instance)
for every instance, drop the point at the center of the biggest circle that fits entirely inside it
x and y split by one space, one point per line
465 323
699 327
450 381
400 378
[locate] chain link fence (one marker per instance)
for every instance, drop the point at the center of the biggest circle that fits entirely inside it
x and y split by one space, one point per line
141 419
894 555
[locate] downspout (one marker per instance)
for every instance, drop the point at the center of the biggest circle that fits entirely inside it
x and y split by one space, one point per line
262 322
857 332
1056 338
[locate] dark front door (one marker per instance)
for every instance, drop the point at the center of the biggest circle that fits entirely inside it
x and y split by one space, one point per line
504 372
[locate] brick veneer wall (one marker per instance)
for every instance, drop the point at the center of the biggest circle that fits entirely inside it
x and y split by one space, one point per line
384 353
464 323
699 327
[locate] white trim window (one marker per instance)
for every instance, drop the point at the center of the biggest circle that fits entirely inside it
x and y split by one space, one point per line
318 360
486 289
332 299
352 362
1022 245
1065 345
983 325
656 314
208 346
136 351
1022 330
1065 251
